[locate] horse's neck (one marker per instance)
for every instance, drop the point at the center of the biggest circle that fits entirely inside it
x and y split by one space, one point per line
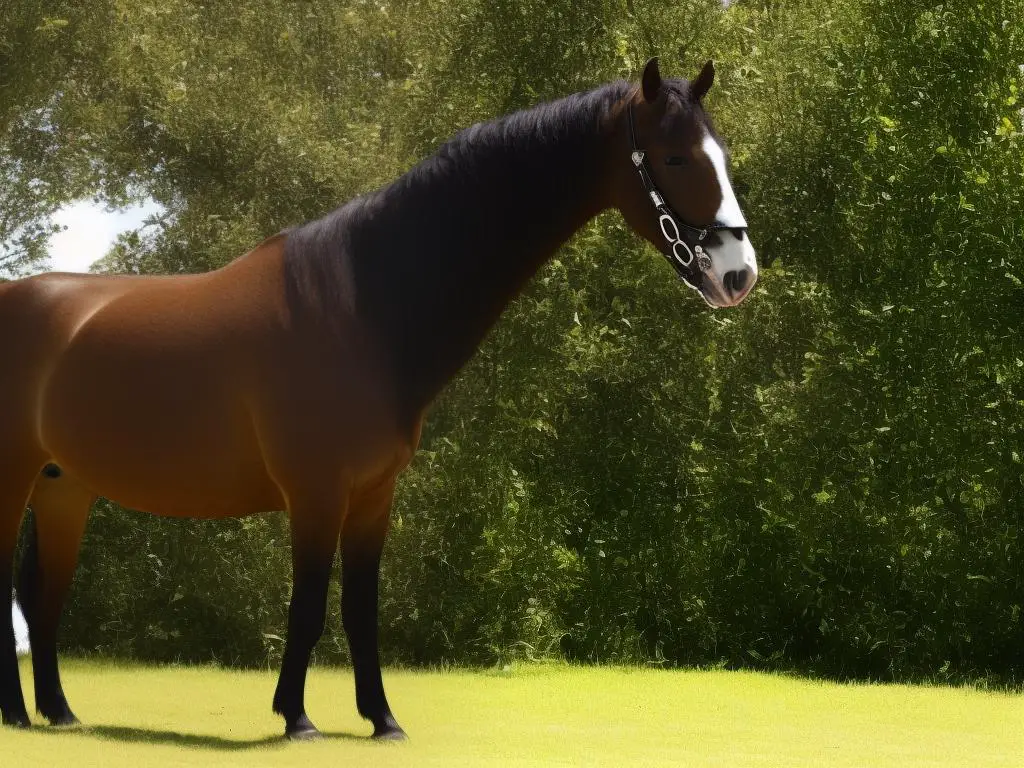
437 256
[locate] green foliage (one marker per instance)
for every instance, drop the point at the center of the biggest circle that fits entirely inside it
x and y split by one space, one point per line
827 478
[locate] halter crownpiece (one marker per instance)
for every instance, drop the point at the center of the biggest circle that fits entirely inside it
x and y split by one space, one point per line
693 261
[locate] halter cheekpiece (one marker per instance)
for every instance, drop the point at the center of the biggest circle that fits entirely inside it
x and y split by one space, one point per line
685 252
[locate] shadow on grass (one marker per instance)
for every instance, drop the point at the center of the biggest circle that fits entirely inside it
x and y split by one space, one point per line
129 735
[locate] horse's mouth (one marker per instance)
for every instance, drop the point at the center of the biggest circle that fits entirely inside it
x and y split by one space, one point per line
717 297
714 295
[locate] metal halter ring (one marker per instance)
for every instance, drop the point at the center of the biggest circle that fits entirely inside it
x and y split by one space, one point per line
681 251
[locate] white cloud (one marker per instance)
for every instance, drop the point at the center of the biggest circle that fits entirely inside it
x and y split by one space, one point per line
90 232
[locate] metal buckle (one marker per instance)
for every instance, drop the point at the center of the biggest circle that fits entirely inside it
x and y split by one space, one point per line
703 260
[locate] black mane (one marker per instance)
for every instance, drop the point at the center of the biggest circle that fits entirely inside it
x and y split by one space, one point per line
429 261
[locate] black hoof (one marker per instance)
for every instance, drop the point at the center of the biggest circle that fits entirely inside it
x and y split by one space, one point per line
58 713
67 720
16 721
389 730
302 730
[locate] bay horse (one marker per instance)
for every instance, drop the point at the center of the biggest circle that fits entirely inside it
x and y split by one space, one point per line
297 376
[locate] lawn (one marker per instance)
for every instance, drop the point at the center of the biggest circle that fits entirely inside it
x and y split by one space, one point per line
526 716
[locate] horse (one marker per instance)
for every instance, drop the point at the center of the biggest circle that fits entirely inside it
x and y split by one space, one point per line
297 377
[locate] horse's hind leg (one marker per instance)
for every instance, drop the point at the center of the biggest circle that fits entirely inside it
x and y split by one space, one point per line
60 508
15 487
362 542
315 528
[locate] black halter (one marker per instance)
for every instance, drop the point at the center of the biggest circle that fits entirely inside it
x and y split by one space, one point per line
685 251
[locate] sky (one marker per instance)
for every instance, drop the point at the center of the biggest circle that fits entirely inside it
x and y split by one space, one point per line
90 232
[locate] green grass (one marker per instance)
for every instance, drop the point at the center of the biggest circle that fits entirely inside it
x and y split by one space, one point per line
548 715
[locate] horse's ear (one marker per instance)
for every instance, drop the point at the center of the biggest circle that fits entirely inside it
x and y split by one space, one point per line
651 80
703 82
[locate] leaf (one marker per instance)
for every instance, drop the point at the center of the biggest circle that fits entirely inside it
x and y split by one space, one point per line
888 124
52 25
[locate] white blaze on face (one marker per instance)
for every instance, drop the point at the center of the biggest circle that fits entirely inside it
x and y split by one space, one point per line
732 254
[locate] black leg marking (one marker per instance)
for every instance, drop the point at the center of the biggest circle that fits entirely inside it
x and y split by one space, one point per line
360 578
306 617
12 508
42 612
12 702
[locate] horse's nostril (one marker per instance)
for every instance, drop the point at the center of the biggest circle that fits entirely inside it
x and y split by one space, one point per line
736 280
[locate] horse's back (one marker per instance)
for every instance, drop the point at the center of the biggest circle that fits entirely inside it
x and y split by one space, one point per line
138 384
202 395
46 317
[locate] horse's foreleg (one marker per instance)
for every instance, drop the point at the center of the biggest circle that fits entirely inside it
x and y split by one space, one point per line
315 527
60 508
362 541
13 499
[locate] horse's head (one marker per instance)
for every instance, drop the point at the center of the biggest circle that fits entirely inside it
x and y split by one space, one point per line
675 191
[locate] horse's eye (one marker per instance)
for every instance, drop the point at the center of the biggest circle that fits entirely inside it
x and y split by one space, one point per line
675 160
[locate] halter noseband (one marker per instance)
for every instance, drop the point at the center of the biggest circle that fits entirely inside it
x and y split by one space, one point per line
685 251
